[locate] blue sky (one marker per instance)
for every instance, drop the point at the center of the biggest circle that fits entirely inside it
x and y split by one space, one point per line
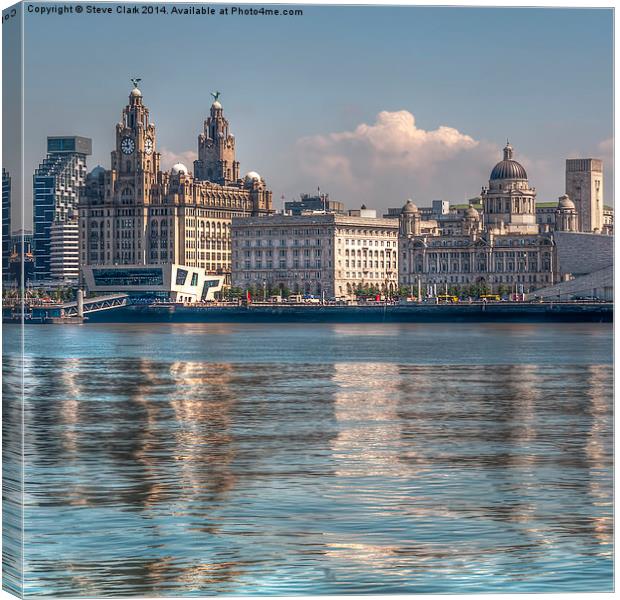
372 104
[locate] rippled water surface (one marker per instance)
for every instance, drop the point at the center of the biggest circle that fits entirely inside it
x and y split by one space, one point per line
305 459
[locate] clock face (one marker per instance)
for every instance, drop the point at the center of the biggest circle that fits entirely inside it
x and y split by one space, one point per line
148 145
127 145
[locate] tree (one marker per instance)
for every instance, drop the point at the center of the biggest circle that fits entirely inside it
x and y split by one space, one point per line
472 291
503 290
233 293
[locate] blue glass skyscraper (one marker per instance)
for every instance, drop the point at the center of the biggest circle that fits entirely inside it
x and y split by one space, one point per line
6 222
58 183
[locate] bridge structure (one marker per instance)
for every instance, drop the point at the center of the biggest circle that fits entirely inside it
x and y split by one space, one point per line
34 311
83 306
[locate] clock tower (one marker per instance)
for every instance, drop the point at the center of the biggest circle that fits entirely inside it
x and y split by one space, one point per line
130 188
135 161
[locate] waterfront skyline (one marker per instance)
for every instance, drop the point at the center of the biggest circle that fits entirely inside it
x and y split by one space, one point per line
421 111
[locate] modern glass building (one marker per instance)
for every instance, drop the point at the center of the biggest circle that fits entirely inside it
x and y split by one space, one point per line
6 222
318 203
58 184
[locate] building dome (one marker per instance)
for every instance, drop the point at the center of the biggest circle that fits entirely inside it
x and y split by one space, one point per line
97 171
565 203
508 168
410 207
471 213
136 93
216 104
179 168
252 176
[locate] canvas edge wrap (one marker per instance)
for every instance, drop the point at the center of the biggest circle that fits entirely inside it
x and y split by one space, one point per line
12 364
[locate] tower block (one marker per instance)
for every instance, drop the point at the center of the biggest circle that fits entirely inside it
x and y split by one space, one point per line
216 149
584 186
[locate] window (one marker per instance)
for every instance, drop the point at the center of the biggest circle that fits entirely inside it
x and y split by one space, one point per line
128 277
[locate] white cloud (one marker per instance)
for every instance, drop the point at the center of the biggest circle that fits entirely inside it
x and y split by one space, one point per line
606 147
396 138
169 158
385 162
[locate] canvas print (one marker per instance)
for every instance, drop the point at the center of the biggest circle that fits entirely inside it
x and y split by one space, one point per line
306 299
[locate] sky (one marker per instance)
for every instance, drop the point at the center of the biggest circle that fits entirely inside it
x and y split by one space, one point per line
373 105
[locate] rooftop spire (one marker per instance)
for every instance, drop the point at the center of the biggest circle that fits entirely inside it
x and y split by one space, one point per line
135 92
216 100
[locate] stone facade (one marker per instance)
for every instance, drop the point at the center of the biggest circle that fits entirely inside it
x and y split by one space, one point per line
566 217
324 254
509 203
608 220
216 150
511 261
137 214
499 248
545 215
584 186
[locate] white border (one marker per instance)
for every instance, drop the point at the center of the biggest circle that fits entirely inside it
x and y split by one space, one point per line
480 3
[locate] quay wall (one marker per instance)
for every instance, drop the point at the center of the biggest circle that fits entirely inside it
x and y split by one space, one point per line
476 312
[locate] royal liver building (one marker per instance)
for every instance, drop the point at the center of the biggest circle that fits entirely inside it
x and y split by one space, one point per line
147 230
499 248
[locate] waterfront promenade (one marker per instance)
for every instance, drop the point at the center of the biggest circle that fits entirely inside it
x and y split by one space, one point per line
375 312
371 313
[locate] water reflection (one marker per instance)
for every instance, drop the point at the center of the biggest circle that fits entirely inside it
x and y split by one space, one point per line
170 476
12 471
365 408
504 452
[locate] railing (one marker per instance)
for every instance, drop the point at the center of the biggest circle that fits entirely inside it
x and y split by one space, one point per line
96 304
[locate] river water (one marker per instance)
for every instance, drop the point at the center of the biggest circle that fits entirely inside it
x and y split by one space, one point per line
204 459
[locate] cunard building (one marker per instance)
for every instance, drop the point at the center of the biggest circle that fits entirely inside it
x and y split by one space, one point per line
146 230
501 248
